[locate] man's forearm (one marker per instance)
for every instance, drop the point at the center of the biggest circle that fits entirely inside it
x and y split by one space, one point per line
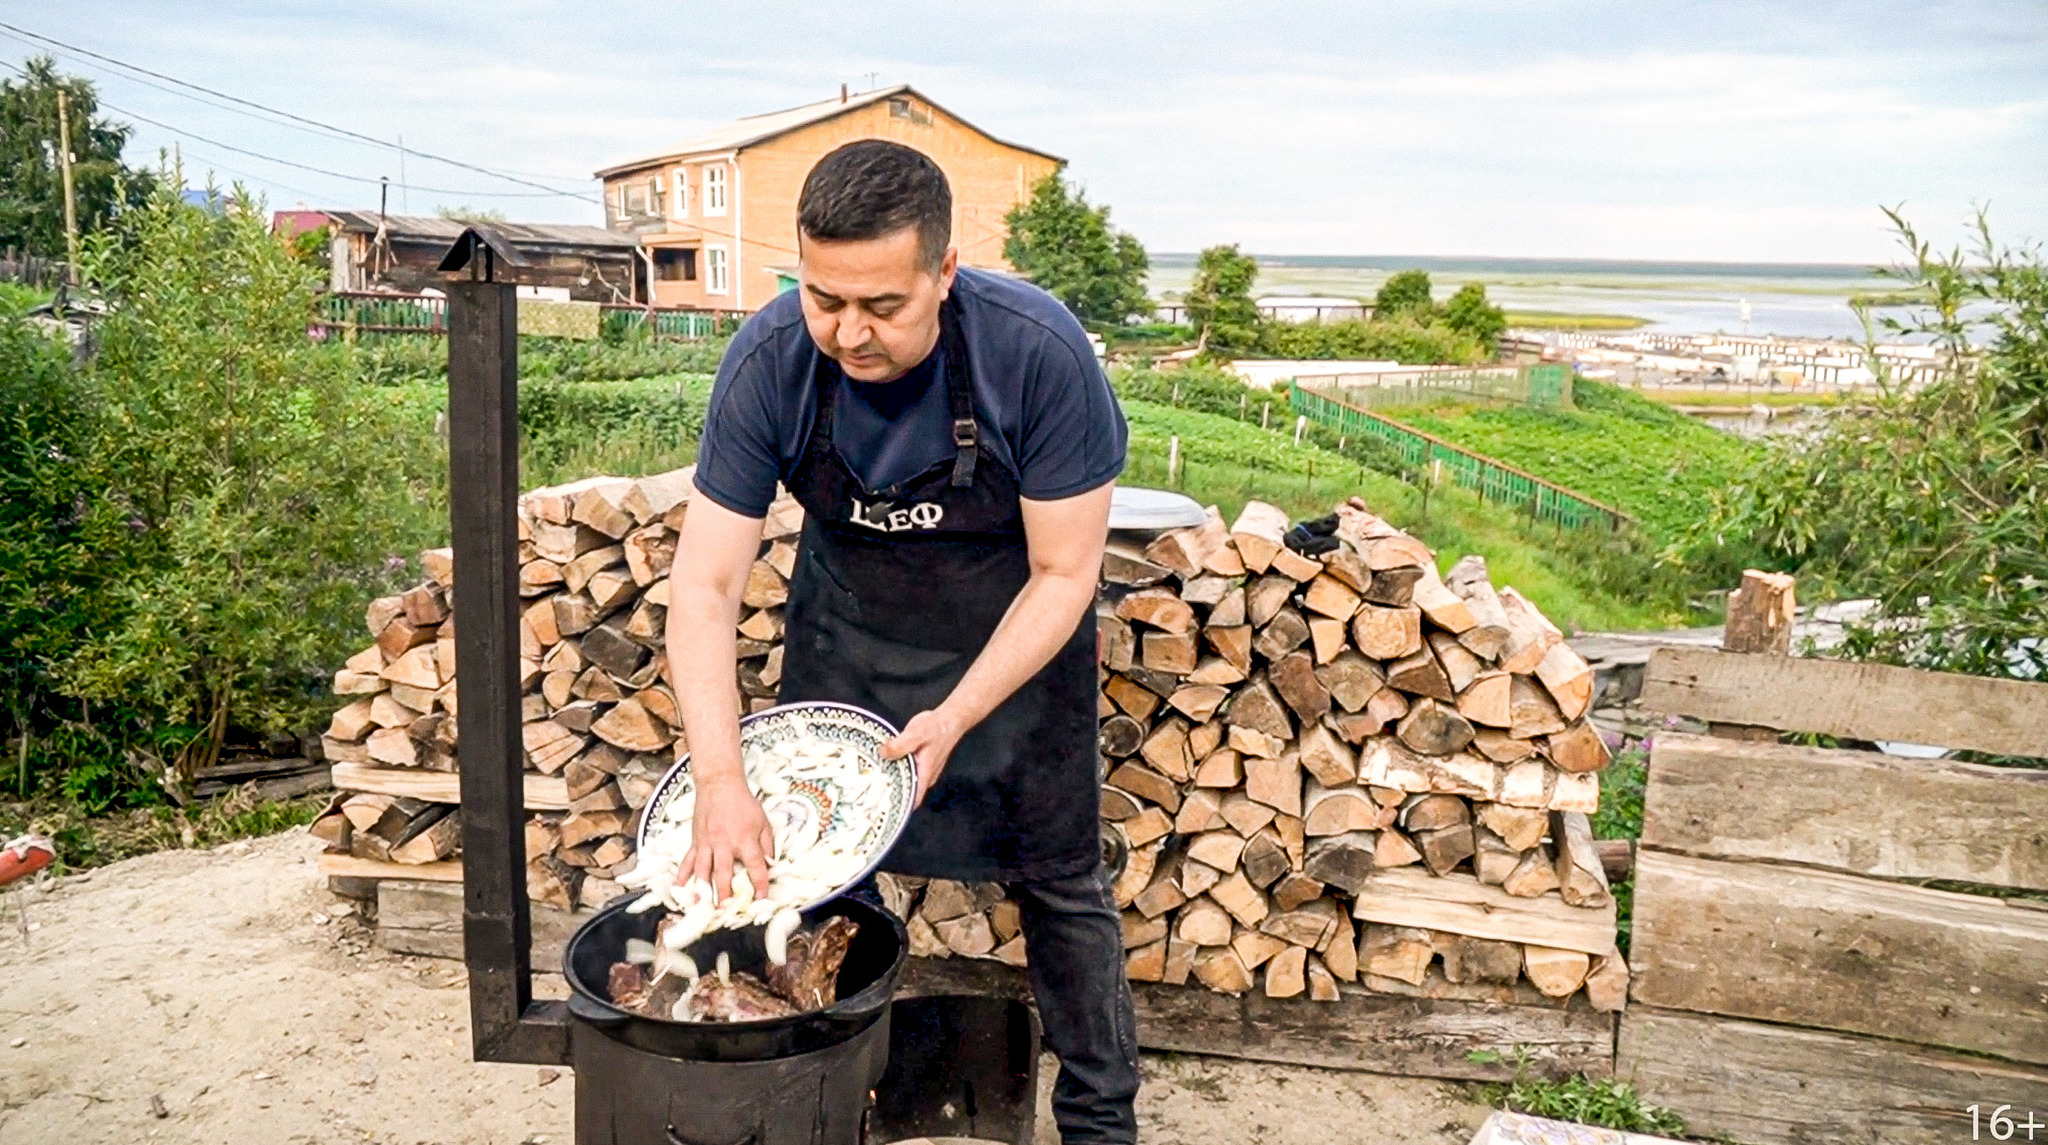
1038 624
701 656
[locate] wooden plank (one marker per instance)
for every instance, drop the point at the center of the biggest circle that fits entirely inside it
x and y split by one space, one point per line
1855 811
1817 948
350 867
426 918
543 792
1758 1082
1413 1037
1461 904
1860 701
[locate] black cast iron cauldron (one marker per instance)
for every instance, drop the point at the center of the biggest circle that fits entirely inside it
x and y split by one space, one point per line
867 980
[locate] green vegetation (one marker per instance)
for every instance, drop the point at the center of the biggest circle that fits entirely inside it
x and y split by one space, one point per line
1659 466
17 299
1399 339
1069 249
1620 816
1603 1101
1220 303
1404 292
1566 320
31 186
1468 312
1934 501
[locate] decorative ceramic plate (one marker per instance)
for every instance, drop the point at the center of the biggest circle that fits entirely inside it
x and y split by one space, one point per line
857 804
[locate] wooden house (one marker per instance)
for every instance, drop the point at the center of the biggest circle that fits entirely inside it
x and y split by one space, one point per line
717 213
371 251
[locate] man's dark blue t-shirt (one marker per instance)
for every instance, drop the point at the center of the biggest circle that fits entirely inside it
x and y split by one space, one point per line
1046 409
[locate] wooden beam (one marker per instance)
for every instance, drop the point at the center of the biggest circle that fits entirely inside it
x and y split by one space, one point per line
350 867
1461 904
1856 811
1837 952
543 792
426 918
1860 701
1751 1081
1413 1037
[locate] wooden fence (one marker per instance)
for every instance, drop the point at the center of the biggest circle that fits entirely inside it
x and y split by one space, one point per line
1796 980
1493 479
347 313
30 270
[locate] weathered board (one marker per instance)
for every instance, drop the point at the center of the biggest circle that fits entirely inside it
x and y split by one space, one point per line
1817 948
350 867
426 918
1414 1037
1461 904
1855 811
543 792
1764 1083
1860 701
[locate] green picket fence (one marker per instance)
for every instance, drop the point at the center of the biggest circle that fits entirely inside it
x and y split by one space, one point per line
351 313
1546 385
668 322
1492 479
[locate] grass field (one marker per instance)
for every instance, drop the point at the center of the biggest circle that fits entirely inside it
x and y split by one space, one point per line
1653 463
1570 320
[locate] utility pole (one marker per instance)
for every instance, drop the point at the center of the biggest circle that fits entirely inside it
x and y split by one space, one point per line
70 195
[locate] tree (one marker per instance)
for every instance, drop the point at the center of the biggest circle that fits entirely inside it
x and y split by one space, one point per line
233 449
1220 300
31 182
1469 312
1068 248
1933 500
1404 293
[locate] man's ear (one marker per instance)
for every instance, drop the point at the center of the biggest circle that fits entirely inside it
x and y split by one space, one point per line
948 267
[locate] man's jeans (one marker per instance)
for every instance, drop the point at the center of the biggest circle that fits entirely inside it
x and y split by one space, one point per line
1073 936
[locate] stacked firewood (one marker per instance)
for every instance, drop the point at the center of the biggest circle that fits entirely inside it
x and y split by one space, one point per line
1335 768
1325 768
600 718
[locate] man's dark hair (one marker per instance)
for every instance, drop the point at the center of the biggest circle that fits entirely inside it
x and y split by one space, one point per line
872 188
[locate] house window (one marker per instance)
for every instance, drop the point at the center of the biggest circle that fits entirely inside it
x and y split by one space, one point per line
675 264
618 200
682 200
714 269
636 198
654 194
900 108
714 189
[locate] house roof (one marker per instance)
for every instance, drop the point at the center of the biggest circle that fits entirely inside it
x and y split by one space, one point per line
432 228
760 128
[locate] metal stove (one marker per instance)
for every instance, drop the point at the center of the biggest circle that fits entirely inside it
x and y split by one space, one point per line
942 1065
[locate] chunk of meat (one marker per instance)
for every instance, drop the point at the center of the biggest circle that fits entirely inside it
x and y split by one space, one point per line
810 979
628 986
744 998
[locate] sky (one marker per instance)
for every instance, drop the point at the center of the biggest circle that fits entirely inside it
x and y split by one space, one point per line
1677 129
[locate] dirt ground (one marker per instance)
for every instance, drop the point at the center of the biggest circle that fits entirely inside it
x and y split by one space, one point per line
226 997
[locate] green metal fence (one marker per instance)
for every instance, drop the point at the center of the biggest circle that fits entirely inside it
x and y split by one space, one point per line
350 314
1547 384
669 322
1493 480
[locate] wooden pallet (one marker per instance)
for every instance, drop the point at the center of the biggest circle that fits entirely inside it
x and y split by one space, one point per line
1791 982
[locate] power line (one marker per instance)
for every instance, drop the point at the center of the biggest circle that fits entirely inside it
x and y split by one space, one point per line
300 119
306 166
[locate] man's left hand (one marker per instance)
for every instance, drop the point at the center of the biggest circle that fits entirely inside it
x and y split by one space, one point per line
931 736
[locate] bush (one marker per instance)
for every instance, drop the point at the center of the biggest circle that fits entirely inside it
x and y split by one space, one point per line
246 466
1933 501
1399 340
399 359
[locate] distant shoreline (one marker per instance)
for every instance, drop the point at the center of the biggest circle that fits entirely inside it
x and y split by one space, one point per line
1508 265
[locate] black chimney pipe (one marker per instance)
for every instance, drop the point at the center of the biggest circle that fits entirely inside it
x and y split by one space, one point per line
506 1024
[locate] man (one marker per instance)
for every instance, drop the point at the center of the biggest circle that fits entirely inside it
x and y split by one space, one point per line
954 446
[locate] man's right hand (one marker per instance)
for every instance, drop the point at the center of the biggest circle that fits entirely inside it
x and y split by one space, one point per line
729 831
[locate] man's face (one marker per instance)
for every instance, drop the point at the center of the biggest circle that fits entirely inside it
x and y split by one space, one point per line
871 304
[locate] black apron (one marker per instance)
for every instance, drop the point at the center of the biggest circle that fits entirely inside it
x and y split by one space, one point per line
896 592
